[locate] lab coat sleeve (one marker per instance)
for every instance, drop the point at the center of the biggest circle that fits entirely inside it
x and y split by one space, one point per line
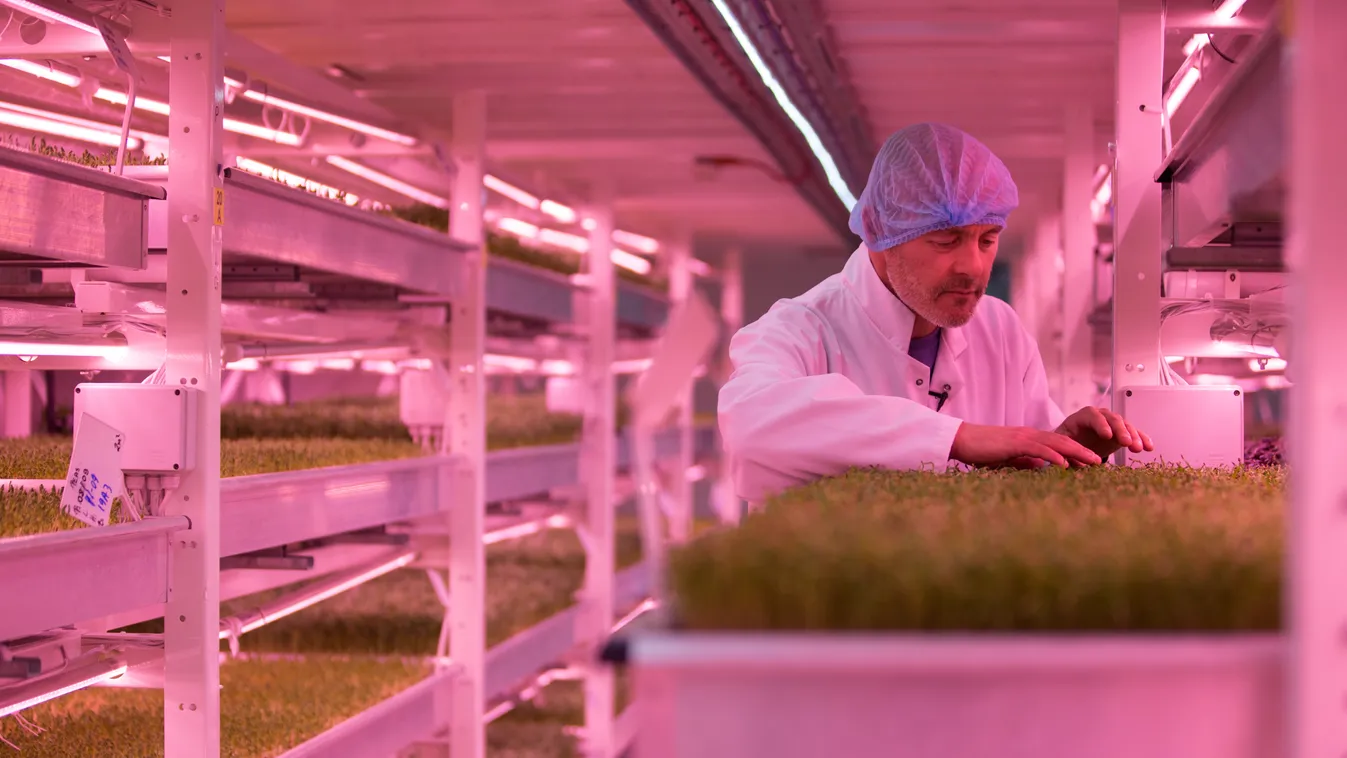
785 420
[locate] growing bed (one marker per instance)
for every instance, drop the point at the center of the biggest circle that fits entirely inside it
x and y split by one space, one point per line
422 215
508 247
259 439
1108 612
307 672
358 648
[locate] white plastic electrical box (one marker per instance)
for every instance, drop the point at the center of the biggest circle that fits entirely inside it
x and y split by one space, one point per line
422 400
158 423
1192 425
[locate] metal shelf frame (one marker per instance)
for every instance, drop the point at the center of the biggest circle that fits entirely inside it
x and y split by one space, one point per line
238 252
213 221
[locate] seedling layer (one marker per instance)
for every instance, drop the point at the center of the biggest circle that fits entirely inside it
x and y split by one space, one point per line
339 657
503 246
1107 549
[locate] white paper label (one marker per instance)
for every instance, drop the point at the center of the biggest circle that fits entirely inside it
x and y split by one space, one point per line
95 478
121 54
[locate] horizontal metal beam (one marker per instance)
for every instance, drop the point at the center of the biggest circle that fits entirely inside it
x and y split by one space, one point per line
61 578
1254 65
1223 258
268 510
409 716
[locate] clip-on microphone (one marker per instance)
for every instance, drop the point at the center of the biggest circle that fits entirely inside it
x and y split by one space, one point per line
942 396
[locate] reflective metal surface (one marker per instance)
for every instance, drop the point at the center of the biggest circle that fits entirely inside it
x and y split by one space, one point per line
268 510
51 580
61 212
269 221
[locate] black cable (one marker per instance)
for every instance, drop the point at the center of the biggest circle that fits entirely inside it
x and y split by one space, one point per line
1211 42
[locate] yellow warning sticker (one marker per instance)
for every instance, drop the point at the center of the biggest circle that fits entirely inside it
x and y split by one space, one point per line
219 206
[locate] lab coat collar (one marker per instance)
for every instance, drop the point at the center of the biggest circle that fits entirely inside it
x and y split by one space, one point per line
889 314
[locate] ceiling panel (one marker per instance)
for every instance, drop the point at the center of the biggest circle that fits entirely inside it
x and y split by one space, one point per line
580 94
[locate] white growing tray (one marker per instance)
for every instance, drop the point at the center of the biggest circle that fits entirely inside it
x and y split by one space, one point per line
843 696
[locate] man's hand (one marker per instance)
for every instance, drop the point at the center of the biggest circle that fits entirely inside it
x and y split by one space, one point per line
1104 432
979 445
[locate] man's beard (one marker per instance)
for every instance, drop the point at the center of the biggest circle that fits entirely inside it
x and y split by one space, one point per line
925 301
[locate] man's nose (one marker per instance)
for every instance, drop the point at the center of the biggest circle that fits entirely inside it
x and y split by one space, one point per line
968 260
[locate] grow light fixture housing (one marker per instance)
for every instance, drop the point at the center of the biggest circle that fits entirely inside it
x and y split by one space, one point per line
23 697
110 352
69 127
37 10
387 182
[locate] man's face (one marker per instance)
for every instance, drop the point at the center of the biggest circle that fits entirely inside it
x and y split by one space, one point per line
941 276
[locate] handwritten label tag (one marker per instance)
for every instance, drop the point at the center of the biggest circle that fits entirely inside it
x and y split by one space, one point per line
219 206
95 477
121 54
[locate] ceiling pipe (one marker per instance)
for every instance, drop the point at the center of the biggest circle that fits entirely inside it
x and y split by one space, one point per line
694 33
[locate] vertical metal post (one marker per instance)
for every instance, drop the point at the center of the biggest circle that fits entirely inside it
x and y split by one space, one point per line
1078 243
1136 225
598 461
680 288
1317 608
18 413
197 210
732 314
465 434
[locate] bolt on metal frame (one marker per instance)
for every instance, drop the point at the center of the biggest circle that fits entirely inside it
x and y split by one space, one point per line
1136 225
465 434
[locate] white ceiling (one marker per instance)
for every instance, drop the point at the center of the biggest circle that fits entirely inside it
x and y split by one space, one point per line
580 94
1003 70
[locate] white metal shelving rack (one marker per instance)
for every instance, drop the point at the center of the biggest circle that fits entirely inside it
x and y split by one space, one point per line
1258 144
208 217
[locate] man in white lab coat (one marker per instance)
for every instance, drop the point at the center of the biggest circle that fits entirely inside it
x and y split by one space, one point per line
899 361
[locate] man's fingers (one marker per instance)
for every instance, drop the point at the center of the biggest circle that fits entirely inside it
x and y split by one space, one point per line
1146 443
1101 424
1069 448
1122 432
1138 444
1045 452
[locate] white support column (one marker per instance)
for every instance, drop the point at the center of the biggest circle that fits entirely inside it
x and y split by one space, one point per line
597 463
1078 243
1317 608
1136 228
680 287
465 434
18 412
732 315
197 210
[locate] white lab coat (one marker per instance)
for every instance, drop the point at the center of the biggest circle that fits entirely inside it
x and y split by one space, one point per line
823 382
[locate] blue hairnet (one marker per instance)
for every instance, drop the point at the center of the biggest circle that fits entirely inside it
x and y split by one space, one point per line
929 177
